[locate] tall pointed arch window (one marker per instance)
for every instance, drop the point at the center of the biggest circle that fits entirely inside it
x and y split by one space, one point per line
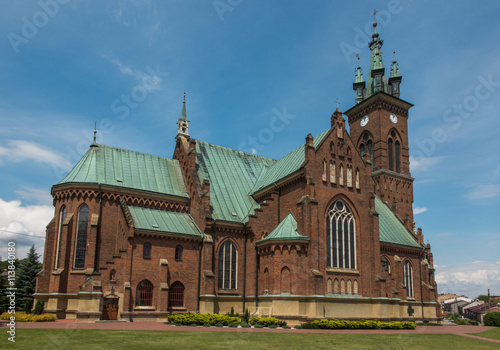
81 236
227 266
408 278
341 237
62 217
369 146
390 155
397 157
176 295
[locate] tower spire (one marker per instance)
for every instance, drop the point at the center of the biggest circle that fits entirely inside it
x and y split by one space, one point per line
359 83
183 122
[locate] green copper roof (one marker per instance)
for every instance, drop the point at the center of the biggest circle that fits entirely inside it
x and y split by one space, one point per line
232 175
286 231
391 230
286 165
128 169
162 221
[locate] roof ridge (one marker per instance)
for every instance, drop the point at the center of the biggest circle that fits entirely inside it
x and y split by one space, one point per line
97 145
235 150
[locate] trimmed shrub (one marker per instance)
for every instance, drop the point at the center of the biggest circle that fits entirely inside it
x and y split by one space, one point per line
492 319
264 321
201 319
281 323
24 317
366 324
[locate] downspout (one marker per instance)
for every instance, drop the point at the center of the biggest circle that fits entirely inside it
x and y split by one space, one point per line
98 233
199 277
256 278
244 264
421 289
277 190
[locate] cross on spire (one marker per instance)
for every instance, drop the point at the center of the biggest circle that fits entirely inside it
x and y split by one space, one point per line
374 13
337 102
95 130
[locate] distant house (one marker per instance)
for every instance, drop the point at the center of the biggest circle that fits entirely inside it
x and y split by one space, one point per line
455 305
477 312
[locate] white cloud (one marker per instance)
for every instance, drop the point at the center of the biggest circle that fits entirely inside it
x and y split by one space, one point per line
423 163
470 279
24 225
419 210
484 191
149 81
20 150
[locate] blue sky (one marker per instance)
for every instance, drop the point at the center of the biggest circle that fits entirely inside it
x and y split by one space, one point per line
125 64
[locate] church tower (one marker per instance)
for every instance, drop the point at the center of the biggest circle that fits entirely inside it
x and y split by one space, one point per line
182 122
379 126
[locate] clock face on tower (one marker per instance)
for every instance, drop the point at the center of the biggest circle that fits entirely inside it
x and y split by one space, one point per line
364 121
393 118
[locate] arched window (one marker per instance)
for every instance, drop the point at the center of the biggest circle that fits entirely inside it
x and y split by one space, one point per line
81 236
398 164
349 175
62 217
369 145
329 286
265 285
349 287
385 265
144 293
112 275
341 237
341 175
342 287
362 149
357 179
408 278
285 280
355 287
336 286
323 175
389 149
332 147
227 266
146 251
176 295
332 172
178 253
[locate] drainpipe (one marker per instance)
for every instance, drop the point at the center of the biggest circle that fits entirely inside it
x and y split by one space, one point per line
277 190
421 289
244 264
256 278
199 277
98 233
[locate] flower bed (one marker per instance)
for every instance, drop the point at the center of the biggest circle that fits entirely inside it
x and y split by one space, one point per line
344 324
24 317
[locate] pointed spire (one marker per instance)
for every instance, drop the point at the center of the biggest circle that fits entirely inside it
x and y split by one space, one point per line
183 114
359 72
183 122
394 67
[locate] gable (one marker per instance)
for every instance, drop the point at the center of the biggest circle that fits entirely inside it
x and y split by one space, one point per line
286 165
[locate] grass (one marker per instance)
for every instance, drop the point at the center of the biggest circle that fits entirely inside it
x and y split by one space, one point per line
75 339
492 334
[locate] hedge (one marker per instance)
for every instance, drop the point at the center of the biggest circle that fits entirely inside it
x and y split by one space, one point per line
264 321
24 317
492 319
201 319
344 324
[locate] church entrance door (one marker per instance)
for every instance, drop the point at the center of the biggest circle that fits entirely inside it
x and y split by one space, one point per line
110 309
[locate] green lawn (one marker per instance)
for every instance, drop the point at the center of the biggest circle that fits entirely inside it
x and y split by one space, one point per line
492 334
105 339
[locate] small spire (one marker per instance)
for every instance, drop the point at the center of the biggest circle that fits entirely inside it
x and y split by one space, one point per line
183 122
94 144
359 72
183 113
394 67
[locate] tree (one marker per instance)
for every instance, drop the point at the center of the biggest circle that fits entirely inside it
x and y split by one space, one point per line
26 279
485 299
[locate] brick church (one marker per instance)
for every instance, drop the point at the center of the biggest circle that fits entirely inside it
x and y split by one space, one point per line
327 231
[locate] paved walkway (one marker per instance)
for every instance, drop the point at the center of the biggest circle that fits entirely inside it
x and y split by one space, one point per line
158 326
